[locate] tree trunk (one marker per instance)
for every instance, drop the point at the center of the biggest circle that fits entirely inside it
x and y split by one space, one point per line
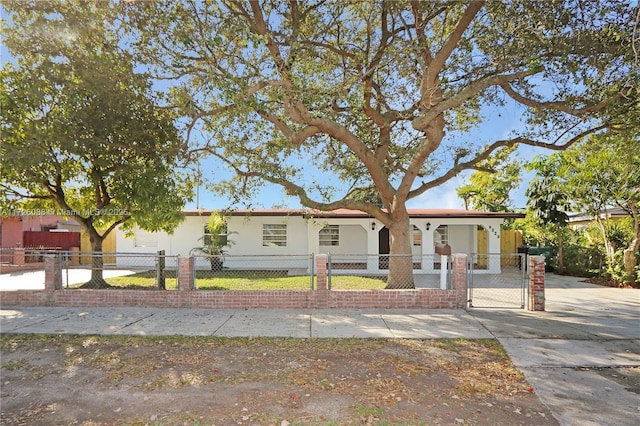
609 248
560 250
97 262
630 260
400 256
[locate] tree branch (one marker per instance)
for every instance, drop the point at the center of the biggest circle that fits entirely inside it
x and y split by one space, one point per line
561 106
483 155
15 192
296 190
421 122
452 41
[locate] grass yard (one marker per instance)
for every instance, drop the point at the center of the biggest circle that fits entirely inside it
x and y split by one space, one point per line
241 280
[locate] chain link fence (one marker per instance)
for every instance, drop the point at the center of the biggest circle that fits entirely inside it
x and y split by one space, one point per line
254 272
25 258
377 271
238 272
497 280
23 268
140 271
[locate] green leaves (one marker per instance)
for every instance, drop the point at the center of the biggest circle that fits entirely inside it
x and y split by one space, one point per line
80 126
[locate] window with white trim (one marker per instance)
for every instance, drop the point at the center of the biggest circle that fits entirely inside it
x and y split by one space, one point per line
330 235
145 238
274 235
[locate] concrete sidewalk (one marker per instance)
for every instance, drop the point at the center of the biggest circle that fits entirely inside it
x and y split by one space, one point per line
408 324
575 355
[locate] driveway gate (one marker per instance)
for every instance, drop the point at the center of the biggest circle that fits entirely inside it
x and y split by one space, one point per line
497 281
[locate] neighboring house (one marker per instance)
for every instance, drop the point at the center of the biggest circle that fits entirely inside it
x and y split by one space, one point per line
36 232
580 221
13 228
348 235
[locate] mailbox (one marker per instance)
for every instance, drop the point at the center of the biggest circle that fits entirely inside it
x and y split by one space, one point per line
443 249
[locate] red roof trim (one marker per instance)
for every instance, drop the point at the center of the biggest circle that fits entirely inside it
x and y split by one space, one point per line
345 213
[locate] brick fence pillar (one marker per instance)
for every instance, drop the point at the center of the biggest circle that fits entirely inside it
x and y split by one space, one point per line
322 291
459 276
185 274
536 283
52 273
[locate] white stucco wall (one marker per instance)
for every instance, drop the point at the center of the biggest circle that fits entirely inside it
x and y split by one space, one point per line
180 243
356 237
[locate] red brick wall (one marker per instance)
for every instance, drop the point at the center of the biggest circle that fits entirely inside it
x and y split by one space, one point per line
213 299
187 297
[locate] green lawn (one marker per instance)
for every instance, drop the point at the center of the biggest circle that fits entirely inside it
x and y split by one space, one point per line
246 280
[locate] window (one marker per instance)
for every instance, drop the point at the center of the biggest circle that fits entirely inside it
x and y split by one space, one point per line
274 235
441 235
330 235
145 239
219 240
417 236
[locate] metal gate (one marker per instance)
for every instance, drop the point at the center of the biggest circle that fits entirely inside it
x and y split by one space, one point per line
497 281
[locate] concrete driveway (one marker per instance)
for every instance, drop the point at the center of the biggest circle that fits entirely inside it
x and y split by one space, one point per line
582 355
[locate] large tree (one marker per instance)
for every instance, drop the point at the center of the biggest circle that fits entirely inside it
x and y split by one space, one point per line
382 94
81 130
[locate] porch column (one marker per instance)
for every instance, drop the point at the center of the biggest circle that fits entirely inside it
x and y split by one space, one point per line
428 253
372 244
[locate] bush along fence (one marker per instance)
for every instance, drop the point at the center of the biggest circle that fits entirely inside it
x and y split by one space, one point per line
192 282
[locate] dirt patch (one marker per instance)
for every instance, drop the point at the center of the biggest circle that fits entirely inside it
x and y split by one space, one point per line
90 380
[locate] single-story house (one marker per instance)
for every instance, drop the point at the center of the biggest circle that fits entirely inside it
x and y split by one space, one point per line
580 221
349 236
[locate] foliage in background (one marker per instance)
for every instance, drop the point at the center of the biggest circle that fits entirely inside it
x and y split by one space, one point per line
591 179
489 188
605 173
547 200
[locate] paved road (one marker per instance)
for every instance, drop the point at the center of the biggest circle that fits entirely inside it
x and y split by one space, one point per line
582 355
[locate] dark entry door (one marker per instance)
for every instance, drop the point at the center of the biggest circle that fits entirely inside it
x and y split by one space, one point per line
383 248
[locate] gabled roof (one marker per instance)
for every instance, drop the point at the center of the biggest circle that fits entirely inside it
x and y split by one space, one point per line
345 213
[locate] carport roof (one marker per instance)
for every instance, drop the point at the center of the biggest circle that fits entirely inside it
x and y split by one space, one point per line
345 213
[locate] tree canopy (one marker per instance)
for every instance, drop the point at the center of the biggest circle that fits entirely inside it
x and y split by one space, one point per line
382 95
489 189
82 132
